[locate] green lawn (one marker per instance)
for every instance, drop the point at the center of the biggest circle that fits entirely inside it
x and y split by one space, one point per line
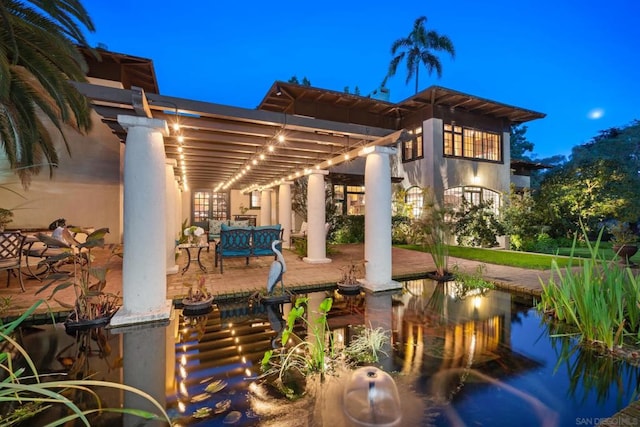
604 250
501 257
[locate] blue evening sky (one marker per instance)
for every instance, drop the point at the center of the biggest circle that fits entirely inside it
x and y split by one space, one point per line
576 61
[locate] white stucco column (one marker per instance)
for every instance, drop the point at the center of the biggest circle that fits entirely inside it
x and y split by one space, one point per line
144 264
170 189
265 207
377 219
178 208
316 218
284 211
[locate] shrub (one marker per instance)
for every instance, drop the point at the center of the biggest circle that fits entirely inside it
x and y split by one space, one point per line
349 229
400 230
477 225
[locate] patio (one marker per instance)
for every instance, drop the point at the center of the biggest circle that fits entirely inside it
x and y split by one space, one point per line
239 278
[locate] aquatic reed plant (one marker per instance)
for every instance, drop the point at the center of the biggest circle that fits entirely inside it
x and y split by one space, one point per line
367 345
432 231
298 357
598 296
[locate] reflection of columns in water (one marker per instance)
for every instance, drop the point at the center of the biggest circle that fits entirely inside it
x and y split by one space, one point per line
378 314
145 365
414 348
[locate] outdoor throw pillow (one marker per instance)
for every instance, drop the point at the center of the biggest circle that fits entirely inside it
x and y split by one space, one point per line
243 223
214 225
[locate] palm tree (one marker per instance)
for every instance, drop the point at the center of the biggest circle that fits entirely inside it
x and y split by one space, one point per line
418 47
38 58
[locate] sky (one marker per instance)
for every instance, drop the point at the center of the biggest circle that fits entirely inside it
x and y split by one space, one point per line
576 61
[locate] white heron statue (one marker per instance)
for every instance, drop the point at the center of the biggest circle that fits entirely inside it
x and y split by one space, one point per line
278 267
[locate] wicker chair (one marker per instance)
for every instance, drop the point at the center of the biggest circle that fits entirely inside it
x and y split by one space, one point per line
11 254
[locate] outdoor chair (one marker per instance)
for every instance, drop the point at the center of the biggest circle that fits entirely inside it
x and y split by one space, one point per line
11 255
301 234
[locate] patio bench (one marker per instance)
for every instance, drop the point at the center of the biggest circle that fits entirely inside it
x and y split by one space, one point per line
246 242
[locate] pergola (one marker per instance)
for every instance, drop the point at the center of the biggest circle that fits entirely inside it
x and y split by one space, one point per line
235 148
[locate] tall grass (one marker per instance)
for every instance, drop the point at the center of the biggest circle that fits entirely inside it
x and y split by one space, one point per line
596 295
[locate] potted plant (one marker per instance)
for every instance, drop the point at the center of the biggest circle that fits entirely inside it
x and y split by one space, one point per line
350 283
624 241
92 306
198 297
193 234
6 216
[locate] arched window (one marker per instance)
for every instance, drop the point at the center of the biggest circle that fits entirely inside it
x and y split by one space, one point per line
414 198
474 195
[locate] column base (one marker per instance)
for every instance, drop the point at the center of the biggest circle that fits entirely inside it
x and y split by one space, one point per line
123 318
316 260
173 269
391 285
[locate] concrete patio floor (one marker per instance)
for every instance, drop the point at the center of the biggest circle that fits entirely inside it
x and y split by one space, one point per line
239 278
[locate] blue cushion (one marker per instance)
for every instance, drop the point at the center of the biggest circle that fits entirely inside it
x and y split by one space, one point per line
240 252
259 252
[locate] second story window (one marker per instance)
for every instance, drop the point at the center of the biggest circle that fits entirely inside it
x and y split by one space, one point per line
471 143
413 148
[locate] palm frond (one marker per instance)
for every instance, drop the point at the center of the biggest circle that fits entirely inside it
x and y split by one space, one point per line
38 58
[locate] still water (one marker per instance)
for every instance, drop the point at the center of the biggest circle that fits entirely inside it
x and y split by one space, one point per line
457 358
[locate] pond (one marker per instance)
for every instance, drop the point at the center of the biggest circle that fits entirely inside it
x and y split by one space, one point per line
474 358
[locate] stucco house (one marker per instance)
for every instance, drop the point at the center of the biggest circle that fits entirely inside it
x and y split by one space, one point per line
152 161
459 144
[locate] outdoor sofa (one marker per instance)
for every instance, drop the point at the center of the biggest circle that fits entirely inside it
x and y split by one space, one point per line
246 242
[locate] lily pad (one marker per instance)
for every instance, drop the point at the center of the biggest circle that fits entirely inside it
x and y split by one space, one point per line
200 397
215 386
202 412
223 406
232 417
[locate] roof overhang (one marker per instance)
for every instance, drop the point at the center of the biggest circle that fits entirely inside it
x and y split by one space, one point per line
454 100
285 97
231 147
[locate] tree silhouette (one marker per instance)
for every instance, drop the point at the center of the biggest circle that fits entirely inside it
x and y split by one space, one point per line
417 48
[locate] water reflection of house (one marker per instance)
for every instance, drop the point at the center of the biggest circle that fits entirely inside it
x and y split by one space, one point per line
442 327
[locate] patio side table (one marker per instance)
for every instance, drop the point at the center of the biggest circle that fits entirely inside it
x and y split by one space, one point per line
187 248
